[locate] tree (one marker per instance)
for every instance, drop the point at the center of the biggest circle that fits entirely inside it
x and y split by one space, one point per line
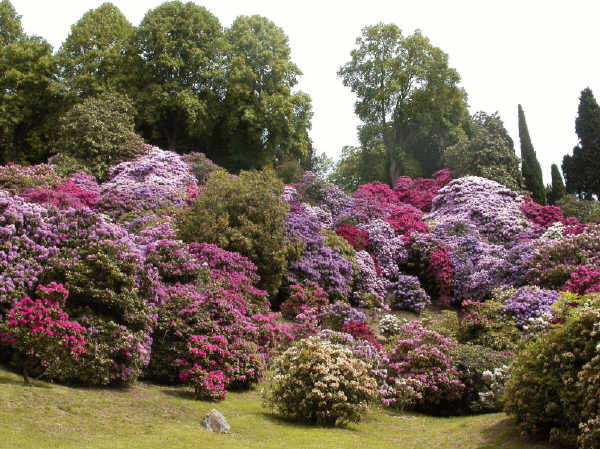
92 58
177 54
408 98
93 133
582 169
264 123
487 151
558 191
30 99
530 169
10 24
358 166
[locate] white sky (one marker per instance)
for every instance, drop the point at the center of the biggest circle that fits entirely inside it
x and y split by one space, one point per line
540 53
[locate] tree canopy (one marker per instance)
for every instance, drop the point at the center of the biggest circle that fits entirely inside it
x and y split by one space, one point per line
487 151
530 168
408 98
92 57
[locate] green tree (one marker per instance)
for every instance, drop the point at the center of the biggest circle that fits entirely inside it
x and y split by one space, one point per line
92 58
408 98
358 166
530 168
487 151
245 214
582 169
93 133
30 99
558 191
10 24
177 58
264 123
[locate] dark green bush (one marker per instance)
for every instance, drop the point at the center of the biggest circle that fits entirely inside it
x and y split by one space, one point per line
245 214
543 392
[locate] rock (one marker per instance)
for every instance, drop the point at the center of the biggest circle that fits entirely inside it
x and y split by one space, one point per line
215 422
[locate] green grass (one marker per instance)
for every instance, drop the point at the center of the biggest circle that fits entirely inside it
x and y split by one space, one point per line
48 416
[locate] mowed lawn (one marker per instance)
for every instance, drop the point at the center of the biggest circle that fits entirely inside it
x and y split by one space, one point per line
48 416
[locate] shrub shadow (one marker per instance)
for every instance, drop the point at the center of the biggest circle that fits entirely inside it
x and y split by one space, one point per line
505 434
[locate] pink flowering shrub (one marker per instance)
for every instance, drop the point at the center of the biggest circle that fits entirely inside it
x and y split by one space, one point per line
545 216
406 219
584 281
302 298
63 196
423 356
41 331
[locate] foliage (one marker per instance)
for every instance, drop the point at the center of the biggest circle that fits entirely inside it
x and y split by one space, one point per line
487 152
581 169
244 214
200 165
485 324
17 178
530 167
94 132
558 191
318 382
586 211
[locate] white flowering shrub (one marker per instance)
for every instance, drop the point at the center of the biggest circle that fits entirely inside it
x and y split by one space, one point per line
390 325
554 232
322 383
491 398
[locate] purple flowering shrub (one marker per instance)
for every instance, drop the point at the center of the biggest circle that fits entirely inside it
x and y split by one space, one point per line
27 240
408 294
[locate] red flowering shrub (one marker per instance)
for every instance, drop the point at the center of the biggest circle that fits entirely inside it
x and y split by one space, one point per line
41 331
361 330
373 200
358 238
406 219
545 216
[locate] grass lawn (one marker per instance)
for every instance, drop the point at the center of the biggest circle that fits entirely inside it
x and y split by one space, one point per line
47 416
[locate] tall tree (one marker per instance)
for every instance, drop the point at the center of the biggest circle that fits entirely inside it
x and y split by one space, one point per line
558 187
10 24
582 169
178 57
408 98
264 122
92 58
30 99
530 168
487 151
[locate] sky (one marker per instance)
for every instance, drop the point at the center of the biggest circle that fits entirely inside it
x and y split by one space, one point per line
537 53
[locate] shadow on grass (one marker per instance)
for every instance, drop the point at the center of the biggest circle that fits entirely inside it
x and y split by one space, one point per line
283 422
506 434
180 393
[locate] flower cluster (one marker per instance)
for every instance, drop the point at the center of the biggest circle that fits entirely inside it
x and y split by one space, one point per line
408 294
530 302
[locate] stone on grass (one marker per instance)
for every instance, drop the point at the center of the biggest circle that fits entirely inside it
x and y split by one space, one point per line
215 422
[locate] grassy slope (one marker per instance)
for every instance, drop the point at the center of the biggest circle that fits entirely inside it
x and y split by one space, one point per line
147 416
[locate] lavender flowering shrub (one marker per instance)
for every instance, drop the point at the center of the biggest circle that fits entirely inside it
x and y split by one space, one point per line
408 294
530 302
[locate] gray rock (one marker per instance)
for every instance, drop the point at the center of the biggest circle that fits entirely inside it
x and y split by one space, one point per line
215 422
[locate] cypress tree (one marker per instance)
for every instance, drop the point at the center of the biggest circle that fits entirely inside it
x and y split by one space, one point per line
587 126
530 168
558 188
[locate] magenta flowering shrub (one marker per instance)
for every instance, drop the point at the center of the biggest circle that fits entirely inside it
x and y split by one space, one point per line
545 216
175 264
373 200
302 298
149 182
41 331
406 219
63 196
423 356
16 178
408 294
554 261
584 281
530 302
420 192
